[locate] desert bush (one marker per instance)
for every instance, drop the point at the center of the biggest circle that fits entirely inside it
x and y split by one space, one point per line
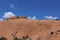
38 38
3 38
26 37
23 38
15 38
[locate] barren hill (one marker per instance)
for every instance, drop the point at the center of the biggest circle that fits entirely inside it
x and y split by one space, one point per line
21 27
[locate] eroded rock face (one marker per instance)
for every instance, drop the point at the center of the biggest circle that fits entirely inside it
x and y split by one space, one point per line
25 29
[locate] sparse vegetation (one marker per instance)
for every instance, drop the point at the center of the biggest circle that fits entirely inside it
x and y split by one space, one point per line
3 38
23 38
15 38
58 30
38 38
52 33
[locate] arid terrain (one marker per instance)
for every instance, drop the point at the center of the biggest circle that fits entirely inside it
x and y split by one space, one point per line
22 27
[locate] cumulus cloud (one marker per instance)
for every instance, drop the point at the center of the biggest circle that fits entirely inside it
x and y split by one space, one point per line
8 14
34 17
51 17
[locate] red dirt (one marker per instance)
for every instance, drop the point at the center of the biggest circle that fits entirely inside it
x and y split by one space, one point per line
33 28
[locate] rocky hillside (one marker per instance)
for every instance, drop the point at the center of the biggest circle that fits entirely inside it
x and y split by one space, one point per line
23 28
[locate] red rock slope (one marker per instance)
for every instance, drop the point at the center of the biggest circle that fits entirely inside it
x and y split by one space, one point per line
35 29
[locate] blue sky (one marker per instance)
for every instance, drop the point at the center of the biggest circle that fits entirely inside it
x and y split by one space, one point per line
38 8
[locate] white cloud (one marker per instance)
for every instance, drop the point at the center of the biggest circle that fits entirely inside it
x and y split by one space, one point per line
8 14
34 17
51 17
1 19
12 5
29 17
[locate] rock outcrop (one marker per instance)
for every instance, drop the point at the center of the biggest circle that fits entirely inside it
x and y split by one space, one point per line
30 29
17 17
